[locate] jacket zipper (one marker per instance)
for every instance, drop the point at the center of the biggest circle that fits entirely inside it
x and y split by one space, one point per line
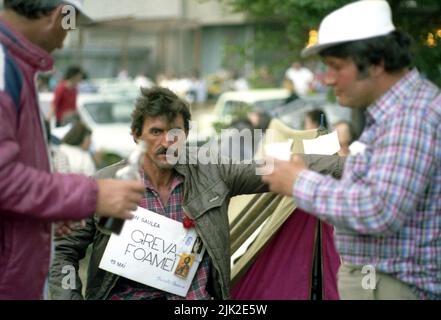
311 277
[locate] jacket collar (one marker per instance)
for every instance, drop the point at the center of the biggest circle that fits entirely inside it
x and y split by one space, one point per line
387 104
24 49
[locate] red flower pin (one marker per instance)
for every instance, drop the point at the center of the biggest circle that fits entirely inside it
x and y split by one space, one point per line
188 223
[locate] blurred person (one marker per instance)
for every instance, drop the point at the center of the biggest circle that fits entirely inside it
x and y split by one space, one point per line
75 149
123 75
163 79
301 78
183 88
199 88
65 95
159 78
239 82
288 85
54 78
386 208
260 120
31 197
142 81
237 142
313 120
318 84
261 77
42 82
85 86
169 188
234 81
169 81
345 133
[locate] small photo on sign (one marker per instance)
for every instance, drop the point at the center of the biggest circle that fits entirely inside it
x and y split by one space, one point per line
149 251
197 247
184 265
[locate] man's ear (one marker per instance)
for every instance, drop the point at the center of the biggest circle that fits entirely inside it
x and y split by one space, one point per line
377 70
55 16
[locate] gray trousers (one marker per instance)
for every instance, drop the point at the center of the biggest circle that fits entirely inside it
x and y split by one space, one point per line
353 284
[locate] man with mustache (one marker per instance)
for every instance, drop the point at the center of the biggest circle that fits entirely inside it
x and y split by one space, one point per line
386 209
198 193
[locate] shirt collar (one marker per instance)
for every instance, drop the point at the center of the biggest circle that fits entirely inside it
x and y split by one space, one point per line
177 179
24 49
398 93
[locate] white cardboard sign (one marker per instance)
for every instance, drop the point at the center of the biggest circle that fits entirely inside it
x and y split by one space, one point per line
148 250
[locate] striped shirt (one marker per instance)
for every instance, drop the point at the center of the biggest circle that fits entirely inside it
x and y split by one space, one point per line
126 289
387 206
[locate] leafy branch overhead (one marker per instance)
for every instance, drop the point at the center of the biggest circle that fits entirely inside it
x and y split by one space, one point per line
295 18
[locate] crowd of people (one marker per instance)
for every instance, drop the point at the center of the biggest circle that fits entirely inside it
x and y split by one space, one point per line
384 201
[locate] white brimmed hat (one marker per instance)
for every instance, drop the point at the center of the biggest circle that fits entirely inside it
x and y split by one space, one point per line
356 21
78 4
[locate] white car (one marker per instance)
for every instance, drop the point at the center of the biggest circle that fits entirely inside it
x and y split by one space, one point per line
261 99
293 113
123 88
230 102
109 118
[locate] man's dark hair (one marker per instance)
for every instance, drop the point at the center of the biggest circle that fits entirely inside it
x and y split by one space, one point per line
315 116
264 120
394 49
34 9
157 102
72 71
75 136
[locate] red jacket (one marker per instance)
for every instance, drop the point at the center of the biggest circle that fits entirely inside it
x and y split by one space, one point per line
65 100
31 198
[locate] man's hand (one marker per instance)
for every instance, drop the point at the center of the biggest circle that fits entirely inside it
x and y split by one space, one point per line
283 175
116 198
64 228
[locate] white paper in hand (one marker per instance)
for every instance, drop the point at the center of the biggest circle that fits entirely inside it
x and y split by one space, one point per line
279 150
327 144
357 147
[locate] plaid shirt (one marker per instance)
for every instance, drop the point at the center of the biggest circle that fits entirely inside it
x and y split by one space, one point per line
387 206
126 289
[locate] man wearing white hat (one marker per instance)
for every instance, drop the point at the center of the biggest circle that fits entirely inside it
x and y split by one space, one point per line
387 206
31 197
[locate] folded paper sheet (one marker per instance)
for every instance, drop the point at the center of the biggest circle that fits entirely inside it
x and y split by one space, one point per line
279 150
327 144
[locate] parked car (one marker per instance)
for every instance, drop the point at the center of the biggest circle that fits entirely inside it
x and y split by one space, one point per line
293 113
109 118
123 88
261 99
232 103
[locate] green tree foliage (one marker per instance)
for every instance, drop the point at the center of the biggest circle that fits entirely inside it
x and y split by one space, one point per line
291 21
